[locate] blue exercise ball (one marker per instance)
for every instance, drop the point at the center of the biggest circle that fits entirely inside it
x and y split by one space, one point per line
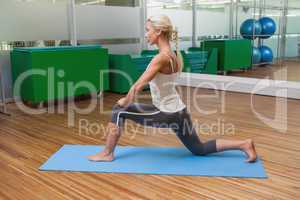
250 27
266 54
268 27
256 55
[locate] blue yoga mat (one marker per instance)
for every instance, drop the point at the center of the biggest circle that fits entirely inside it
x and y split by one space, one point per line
155 160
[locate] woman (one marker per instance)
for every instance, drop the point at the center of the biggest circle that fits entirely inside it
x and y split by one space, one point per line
167 107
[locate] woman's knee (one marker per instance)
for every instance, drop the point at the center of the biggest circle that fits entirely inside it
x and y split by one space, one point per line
192 142
116 113
116 117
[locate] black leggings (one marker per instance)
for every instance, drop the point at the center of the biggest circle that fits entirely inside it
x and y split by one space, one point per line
180 122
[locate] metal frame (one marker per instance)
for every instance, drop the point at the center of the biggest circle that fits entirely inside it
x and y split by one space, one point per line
143 17
194 23
73 23
283 30
281 36
2 89
231 16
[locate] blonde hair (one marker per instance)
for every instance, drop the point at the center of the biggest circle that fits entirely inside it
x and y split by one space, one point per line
164 24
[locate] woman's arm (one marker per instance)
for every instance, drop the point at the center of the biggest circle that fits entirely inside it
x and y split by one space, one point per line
148 75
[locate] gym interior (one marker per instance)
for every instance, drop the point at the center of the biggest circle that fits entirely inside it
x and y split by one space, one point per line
64 65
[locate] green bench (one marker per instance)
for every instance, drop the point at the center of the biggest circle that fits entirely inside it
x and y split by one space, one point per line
232 54
126 69
56 71
198 61
195 60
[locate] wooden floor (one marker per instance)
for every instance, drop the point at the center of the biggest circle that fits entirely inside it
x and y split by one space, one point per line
289 71
27 141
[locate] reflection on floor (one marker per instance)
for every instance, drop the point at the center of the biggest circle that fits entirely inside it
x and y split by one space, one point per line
289 70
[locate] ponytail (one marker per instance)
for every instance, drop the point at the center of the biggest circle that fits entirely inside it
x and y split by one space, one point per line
175 38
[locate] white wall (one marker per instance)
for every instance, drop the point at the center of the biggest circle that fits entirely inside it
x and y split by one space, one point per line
182 19
293 27
103 22
208 22
291 49
33 21
293 24
213 22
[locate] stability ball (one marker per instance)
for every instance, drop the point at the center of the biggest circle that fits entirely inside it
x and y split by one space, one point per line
268 27
247 27
256 55
266 54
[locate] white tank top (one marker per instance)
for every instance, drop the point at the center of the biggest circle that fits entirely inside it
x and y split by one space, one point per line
163 92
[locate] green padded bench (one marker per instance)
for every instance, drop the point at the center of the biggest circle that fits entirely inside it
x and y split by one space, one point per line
232 54
141 62
146 52
69 64
198 61
126 69
195 60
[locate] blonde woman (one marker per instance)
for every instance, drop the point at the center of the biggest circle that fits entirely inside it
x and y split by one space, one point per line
167 107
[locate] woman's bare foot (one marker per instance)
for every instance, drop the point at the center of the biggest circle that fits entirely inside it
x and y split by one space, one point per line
249 149
101 157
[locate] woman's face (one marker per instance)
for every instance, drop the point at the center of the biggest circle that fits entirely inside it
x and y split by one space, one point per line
151 35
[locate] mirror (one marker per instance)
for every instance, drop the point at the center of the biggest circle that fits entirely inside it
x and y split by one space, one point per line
283 44
276 43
